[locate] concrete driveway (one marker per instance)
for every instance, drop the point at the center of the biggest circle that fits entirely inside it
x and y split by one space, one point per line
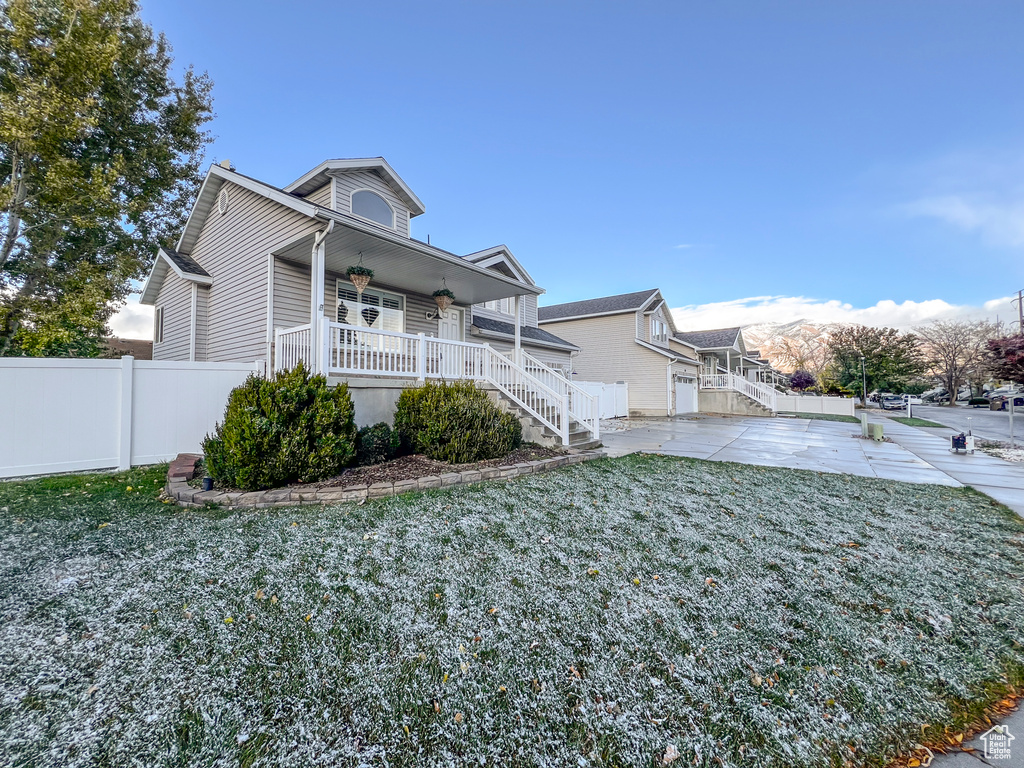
915 456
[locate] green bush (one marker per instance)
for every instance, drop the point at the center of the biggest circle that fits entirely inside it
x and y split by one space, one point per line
276 431
377 444
455 422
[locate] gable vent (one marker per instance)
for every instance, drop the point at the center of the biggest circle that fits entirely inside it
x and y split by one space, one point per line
222 201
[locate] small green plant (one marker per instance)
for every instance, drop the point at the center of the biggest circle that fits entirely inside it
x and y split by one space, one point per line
290 428
376 444
443 292
977 402
455 422
359 269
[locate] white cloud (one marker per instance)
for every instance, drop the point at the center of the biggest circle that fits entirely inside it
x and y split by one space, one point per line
133 321
684 245
1000 223
787 309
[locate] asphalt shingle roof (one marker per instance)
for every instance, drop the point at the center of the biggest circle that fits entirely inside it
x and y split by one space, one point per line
623 302
186 263
716 339
525 331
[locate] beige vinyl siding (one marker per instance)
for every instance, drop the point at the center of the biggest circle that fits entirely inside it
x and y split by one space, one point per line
347 183
291 294
233 247
321 196
202 321
416 306
175 298
530 306
609 353
682 349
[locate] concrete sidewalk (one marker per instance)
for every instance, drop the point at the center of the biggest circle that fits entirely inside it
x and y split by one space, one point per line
822 446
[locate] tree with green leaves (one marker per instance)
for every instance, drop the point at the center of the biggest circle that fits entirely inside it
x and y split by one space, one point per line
100 155
890 359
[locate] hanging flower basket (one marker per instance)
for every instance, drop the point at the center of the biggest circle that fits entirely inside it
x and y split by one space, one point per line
360 276
444 298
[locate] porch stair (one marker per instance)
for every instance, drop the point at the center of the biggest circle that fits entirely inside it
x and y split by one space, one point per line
580 435
756 398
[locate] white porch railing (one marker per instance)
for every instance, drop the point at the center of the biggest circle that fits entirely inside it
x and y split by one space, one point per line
761 393
291 346
583 406
352 350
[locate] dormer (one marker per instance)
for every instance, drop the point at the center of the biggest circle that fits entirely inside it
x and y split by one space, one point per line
367 189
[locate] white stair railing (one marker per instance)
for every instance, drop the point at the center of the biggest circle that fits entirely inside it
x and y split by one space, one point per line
760 393
584 407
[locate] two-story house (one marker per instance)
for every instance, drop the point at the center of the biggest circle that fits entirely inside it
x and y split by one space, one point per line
260 272
630 337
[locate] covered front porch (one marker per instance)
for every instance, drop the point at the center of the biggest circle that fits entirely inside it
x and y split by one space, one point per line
394 330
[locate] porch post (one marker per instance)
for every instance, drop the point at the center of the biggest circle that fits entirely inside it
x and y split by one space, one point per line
518 343
728 361
316 302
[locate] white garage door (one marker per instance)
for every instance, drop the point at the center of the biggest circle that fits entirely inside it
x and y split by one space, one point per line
686 397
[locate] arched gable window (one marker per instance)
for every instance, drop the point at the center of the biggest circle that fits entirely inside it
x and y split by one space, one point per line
372 206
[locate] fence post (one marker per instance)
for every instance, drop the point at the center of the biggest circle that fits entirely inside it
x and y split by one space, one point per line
124 452
421 357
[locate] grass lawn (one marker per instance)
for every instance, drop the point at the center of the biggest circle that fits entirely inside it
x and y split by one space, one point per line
826 417
915 422
592 616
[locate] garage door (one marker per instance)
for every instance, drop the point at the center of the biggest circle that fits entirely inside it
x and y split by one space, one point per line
686 397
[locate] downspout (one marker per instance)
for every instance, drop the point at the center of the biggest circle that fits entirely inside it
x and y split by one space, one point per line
668 376
192 324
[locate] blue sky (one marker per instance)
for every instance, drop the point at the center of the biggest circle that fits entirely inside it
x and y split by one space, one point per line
743 154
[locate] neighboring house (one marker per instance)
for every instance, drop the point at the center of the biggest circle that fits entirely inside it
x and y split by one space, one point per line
259 273
723 349
631 338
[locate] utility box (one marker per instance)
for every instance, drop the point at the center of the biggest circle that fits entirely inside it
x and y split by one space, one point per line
876 432
864 424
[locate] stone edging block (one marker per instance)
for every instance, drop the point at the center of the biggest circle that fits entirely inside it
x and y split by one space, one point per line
183 469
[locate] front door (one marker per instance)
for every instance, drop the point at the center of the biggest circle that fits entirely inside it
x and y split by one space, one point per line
450 326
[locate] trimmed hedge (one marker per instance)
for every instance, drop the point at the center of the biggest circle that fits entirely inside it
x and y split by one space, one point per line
455 422
276 431
377 443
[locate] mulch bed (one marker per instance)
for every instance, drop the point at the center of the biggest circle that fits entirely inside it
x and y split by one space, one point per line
410 468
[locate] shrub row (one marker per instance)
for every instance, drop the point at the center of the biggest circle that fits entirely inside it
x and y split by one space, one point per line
295 428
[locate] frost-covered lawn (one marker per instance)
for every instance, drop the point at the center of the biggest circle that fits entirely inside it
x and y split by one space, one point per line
599 615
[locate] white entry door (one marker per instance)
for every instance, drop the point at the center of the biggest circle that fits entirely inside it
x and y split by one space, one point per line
686 397
450 325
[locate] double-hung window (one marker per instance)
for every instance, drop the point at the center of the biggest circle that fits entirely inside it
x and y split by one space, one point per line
659 330
380 310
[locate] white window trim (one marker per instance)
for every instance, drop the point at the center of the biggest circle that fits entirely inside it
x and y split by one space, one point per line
348 284
394 221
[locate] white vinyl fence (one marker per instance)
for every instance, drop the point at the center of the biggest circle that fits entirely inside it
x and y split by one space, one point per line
839 406
61 415
614 400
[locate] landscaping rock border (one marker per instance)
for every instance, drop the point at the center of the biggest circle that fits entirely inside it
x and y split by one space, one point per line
183 469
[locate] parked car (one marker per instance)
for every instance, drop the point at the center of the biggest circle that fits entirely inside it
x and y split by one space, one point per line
892 402
912 399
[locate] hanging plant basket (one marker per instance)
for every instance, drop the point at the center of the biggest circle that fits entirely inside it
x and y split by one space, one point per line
360 276
444 298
